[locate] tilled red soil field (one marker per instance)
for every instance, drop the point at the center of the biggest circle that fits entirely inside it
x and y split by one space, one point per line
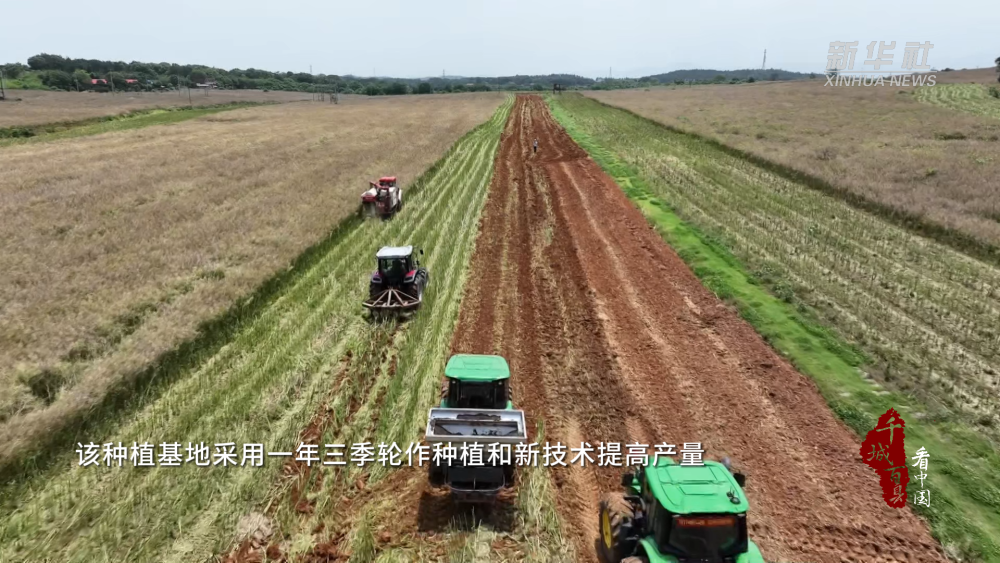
612 338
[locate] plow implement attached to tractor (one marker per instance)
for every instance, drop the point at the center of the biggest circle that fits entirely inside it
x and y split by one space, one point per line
480 429
392 299
398 284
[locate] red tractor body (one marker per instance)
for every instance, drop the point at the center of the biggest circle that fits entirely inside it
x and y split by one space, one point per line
382 198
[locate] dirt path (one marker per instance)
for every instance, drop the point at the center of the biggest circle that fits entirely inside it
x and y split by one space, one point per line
612 338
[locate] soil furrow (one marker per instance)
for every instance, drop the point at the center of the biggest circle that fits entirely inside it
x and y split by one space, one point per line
612 338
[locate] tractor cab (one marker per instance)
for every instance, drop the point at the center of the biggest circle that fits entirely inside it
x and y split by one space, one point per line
477 382
387 182
395 264
399 282
672 513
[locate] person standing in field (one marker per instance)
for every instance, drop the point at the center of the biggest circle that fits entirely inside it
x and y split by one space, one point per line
535 149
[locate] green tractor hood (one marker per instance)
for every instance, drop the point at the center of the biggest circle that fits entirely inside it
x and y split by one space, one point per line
707 489
475 367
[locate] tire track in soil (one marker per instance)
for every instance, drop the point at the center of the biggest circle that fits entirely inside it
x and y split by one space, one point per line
612 338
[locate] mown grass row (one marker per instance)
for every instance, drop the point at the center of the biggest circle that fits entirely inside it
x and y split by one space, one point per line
971 98
131 120
263 386
836 291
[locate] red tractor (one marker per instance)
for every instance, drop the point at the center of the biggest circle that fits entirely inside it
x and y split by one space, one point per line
382 198
399 282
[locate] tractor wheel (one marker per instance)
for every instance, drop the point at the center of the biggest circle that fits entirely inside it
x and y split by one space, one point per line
421 284
616 513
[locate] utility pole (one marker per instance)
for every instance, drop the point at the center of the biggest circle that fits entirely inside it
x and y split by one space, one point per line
3 93
762 65
111 79
190 103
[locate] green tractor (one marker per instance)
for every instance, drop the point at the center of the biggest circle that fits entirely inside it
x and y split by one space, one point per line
671 513
473 381
475 411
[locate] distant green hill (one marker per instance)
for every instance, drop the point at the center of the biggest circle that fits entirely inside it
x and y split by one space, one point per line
700 74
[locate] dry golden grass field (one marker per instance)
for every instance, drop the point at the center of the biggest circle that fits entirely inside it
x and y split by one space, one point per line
114 247
976 75
877 142
39 107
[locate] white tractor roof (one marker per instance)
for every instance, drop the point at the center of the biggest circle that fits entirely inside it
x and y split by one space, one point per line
394 251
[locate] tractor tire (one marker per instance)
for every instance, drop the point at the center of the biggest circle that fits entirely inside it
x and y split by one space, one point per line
421 283
615 514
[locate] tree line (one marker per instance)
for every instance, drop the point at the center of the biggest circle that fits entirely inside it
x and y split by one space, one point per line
62 73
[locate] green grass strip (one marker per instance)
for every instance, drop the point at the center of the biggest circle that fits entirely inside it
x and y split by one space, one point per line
977 99
965 509
132 120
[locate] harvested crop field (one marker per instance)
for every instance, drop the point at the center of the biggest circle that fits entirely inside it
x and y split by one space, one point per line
877 143
970 98
308 365
38 107
116 246
879 317
610 337
986 76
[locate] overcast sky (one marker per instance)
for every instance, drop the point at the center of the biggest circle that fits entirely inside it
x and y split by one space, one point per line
500 37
